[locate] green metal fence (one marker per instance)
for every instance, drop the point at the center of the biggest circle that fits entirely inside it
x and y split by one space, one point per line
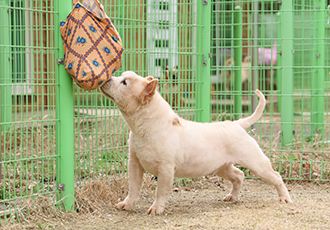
276 46
27 104
209 56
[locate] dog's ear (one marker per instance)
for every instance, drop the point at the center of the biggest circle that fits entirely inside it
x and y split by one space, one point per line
148 91
150 78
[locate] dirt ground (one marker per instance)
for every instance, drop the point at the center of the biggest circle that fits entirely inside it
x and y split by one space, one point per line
200 206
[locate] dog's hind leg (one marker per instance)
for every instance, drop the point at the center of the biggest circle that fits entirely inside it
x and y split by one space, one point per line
164 187
135 173
255 160
235 176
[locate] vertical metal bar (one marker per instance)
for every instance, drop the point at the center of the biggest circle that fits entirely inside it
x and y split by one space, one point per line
317 108
287 71
5 76
121 27
5 63
238 53
255 74
203 61
64 114
279 62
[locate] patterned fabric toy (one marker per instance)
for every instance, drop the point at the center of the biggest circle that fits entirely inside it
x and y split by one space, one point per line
92 45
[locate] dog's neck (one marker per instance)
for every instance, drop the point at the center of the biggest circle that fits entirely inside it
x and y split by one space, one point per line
143 120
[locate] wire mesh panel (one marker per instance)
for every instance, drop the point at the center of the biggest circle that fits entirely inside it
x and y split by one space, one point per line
276 46
27 104
159 38
100 133
310 157
244 45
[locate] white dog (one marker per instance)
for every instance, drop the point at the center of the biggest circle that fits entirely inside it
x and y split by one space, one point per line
168 146
246 71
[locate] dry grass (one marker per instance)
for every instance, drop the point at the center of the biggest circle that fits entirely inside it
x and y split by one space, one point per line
196 206
306 158
101 146
30 155
30 142
100 193
91 200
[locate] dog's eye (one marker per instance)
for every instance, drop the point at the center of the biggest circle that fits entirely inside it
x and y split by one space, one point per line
123 82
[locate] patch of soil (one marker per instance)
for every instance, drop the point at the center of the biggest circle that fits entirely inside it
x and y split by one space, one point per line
200 206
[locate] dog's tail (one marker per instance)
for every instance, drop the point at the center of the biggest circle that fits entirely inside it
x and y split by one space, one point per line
247 122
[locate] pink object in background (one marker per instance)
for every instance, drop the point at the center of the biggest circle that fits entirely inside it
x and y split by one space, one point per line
267 55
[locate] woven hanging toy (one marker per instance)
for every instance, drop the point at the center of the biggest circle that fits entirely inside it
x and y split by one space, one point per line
92 45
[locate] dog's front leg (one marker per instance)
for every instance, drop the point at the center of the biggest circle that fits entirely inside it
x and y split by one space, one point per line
165 182
135 173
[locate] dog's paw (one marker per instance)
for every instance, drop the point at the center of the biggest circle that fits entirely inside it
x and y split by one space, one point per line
285 200
124 206
155 210
230 197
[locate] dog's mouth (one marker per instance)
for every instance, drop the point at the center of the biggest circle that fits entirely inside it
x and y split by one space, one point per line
103 90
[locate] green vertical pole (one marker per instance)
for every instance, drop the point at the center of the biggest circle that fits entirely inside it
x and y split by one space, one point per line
121 28
238 53
5 67
5 74
279 62
64 115
287 71
317 107
203 61
254 53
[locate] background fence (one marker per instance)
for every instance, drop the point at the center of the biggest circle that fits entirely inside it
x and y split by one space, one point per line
209 56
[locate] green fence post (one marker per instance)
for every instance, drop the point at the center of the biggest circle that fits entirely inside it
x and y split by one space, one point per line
279 62
317 100
203 61
287 71
5 62
65 116
254 54
238 53
121 28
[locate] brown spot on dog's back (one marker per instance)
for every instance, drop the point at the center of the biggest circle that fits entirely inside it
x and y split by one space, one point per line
176 121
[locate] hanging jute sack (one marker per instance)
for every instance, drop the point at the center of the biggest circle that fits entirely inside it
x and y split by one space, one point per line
92 45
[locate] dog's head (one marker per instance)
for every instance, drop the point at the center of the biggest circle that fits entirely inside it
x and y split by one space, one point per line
130 91
171 74
229 61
